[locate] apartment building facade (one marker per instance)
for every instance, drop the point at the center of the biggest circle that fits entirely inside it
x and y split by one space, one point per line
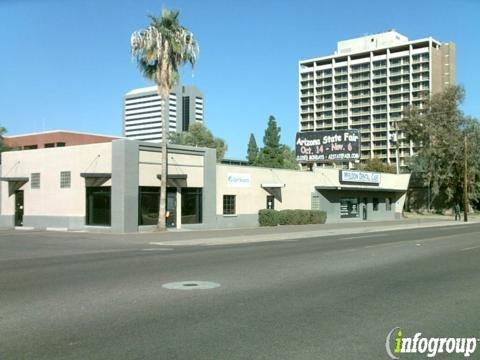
368 83
142 112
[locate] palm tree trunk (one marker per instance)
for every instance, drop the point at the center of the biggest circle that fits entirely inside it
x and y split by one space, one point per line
161 225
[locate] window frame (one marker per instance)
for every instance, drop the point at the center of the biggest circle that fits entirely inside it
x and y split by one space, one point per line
229 205
35 181
63 184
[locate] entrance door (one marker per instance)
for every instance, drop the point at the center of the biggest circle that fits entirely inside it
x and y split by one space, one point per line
270 202
171 208
19 208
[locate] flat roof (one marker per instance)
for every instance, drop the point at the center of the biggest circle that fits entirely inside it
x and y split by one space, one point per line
300 62
61 131
359 188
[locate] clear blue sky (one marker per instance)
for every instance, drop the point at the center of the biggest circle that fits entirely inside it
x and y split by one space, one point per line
65 64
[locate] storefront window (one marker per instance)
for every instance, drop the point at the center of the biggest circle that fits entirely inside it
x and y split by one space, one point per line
148 202
98 206
349 208
375 204
149 198
191 205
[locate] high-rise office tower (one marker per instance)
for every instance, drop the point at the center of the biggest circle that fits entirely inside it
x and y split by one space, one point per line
367 83
142 114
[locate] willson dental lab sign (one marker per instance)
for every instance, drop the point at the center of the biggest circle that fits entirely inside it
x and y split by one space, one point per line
327 146
361 177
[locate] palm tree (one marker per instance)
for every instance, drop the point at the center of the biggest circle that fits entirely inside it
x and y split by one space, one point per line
159 51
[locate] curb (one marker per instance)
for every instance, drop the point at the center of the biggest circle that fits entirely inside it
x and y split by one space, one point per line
293 236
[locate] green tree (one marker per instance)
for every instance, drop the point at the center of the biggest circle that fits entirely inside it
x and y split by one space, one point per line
289 159
376 164
252 150
199 135
160 50
3 147
439 129
273 154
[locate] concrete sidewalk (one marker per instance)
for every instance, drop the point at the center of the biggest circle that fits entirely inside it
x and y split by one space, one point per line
292 232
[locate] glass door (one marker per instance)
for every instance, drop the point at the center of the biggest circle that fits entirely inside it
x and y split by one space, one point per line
171 220
19 208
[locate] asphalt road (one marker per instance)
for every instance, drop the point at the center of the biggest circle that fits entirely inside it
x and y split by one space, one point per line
326 298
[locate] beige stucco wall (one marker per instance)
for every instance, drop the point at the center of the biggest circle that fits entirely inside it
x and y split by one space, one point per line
296 194
50 199
150 166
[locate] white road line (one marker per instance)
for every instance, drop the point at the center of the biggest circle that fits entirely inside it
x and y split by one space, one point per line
362 236
471 248
380 245
157 249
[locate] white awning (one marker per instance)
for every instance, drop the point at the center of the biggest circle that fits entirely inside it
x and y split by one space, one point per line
272 186
14 183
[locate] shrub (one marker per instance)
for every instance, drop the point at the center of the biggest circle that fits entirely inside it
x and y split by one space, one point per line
285 217
268 217
291 217
318 217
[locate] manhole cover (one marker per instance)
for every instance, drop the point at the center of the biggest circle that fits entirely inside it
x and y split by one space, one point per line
191 285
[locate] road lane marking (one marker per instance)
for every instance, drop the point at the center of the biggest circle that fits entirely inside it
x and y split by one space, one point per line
363 236
381 245
157 249
471 248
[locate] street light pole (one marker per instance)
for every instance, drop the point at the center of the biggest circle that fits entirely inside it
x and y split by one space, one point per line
465 181
397 148
397 159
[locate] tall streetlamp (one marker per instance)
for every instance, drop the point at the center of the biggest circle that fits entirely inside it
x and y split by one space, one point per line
394 139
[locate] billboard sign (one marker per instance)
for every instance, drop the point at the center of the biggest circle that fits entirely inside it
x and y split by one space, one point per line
328 146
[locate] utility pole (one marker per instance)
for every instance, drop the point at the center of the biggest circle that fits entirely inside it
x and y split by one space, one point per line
397 149
397 160
465 181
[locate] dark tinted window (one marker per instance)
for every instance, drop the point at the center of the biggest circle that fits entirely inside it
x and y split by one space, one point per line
191 205
185 113
149 199
98 206
228 204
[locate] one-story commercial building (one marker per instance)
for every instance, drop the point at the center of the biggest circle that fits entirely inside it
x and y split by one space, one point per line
115 186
